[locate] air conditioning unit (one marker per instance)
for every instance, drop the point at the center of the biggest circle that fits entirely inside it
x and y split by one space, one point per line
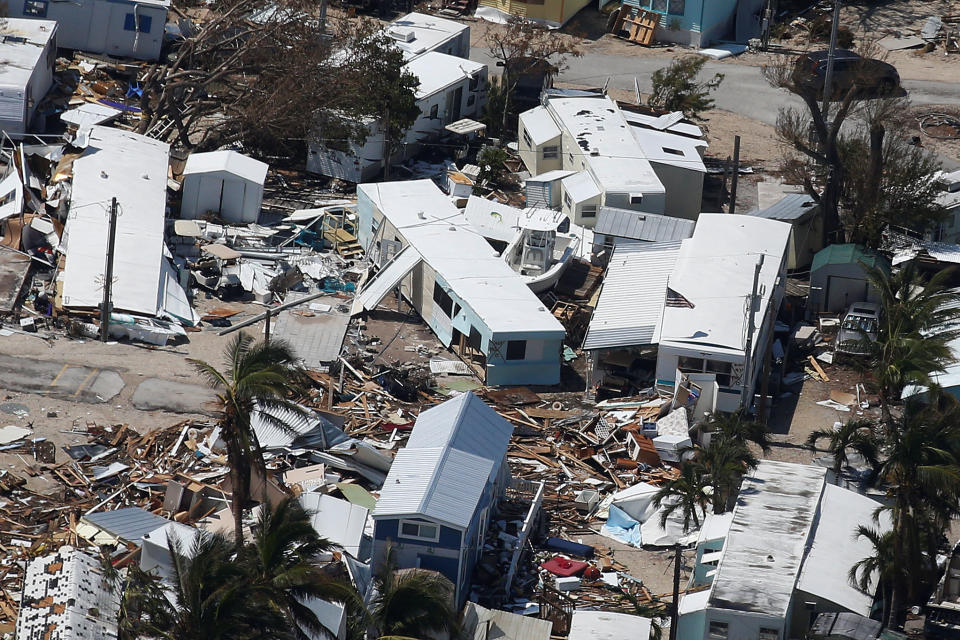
401 35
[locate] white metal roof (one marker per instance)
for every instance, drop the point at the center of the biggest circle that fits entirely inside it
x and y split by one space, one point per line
550 176
764 548
580 187
132 168
950 199
630 307
440 483
502 222
230 162
465 423
539 125
22 43
835 548
437 71
606 143
336 520
668 122
480 623
428 33
714 272
89 113
427 219
668 148
606 625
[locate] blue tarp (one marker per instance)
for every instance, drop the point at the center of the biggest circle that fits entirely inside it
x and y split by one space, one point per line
622 527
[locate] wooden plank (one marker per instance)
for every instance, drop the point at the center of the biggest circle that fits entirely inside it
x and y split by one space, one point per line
819 370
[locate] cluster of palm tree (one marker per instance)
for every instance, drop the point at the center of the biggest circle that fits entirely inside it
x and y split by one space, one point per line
711 474
262 586
913 449
265 590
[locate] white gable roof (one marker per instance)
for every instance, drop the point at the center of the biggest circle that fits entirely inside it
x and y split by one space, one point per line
229 162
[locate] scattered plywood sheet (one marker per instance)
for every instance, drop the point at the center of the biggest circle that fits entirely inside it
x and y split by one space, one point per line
12 433
843 397
892 43
221 251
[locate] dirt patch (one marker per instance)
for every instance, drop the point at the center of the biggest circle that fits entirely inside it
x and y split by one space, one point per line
912 118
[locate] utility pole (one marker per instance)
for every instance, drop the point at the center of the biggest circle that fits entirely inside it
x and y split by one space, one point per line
751 326
736 174
675 609
107 304
386 145
831 54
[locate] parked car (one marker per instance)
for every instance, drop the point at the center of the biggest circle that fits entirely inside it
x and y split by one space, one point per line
849 70
861 322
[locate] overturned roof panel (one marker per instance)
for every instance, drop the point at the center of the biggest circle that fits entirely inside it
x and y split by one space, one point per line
630 308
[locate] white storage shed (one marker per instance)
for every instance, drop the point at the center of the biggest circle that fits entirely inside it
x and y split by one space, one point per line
223 182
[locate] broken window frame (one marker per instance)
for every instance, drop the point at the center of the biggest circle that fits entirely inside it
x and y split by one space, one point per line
512 347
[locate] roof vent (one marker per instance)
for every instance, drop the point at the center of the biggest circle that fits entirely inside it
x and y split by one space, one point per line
594 152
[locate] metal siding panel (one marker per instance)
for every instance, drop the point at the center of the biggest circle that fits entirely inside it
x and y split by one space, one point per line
130 523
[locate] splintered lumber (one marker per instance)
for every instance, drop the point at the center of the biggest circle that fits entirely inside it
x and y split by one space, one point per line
818 369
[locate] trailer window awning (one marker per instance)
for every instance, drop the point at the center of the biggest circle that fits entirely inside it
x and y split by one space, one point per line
387 278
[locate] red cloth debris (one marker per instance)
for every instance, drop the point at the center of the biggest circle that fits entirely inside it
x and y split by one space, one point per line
564 567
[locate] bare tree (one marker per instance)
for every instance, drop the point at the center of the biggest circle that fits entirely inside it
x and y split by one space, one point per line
523 47
852 157
267 75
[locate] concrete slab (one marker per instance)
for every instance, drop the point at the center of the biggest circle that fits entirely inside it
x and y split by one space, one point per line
156 394
72 382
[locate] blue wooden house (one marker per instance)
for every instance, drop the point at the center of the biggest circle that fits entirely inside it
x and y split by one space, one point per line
437 500
700 23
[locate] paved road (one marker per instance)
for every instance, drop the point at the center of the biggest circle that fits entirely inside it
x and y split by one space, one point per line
59 380
743 91
78 383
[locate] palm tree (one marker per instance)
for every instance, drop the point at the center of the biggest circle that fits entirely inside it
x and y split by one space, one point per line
412 603
738 426
259 376
689 493
854 435
213 600
919 320
921 468
880 563
724 461
280 565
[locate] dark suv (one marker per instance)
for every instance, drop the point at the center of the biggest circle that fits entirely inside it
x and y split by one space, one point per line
849 70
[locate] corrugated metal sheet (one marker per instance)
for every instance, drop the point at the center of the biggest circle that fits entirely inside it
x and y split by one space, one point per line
338 521
442 484
129 524
630 308
635 225
389 277
465 423
791 208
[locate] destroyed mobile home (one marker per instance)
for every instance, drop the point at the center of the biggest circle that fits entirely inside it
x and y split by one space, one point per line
502 385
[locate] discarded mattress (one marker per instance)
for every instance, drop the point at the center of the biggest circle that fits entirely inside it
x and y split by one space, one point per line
564 567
